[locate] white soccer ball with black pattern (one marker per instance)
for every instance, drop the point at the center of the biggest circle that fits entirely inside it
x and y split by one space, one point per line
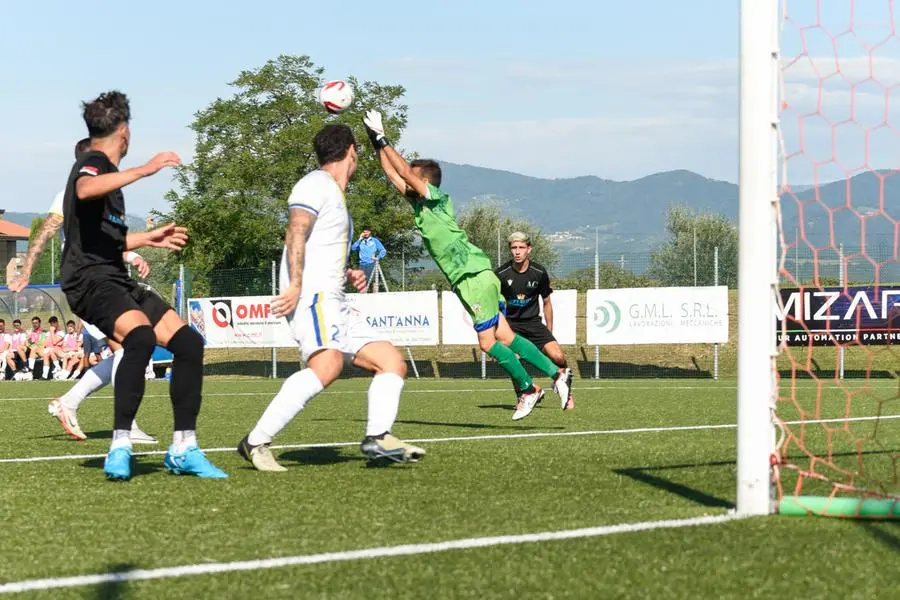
336 96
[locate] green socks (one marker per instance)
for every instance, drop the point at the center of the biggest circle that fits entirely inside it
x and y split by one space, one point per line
530 353
509 362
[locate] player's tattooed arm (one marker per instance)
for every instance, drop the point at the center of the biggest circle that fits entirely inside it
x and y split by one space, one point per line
300 225
51 225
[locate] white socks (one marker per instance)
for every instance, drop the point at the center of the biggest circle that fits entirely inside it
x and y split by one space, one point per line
183 440
93 380
121 439
296 391
384 402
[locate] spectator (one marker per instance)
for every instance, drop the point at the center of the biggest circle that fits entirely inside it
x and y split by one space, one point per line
370 250
51 347
6 354
33 346
72 353
17 350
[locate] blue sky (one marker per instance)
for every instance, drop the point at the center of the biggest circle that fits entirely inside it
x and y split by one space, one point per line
607 88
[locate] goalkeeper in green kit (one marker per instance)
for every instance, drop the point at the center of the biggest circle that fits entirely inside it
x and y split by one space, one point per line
468 269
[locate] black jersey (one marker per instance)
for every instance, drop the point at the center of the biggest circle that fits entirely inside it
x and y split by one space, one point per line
95 229
521 290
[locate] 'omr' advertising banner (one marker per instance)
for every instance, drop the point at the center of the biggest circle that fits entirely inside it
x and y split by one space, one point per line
238 322
403 318
824 317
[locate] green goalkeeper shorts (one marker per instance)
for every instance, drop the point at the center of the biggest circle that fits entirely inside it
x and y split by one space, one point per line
481 297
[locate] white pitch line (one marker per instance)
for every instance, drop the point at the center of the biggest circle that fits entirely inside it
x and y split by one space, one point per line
711 387
30 585
467 438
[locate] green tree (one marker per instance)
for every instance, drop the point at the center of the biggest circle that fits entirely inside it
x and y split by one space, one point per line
673 264
46 268
252 148
611 276
483 222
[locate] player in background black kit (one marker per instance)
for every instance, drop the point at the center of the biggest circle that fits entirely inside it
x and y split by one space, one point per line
99 290
522 281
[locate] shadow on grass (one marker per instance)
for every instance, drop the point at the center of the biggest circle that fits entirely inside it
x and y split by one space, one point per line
318 456
263 368
621 370
470 425
114 590
653 476
91 435
480 425
881 531
821 373
647 476
145 465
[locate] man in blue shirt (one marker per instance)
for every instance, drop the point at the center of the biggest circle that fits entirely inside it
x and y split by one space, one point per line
370 252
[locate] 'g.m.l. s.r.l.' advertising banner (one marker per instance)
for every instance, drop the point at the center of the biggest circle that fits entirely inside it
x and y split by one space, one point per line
672 315
822 317
405 319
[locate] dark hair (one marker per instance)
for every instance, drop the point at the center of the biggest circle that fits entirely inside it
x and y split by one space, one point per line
366 228
19 321
106 113
3 321
333 142
81 147
430 169
70 322
33 319
53 319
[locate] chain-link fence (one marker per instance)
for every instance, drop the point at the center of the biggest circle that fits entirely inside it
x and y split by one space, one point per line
580 271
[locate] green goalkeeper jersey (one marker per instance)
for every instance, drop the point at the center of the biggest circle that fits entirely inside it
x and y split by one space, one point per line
447 243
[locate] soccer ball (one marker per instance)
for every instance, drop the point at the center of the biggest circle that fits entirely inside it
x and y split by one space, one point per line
336 96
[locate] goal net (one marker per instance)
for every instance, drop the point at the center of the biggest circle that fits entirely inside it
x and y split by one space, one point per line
838 407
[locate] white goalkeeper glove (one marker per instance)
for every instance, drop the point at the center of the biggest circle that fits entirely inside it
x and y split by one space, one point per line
375 129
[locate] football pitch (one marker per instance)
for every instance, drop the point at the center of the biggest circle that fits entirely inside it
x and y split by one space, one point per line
628 496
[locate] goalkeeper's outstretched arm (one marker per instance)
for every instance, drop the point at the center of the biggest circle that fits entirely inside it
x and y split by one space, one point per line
391 172
395 166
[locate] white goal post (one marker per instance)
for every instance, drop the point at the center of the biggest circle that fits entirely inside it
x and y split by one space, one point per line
757 262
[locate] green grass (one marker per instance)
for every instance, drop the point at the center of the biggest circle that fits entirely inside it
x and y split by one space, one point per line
61 518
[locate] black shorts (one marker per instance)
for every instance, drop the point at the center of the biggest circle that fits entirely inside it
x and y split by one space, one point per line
533 330
102 302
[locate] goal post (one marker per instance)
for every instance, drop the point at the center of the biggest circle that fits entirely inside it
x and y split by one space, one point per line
757 273
819 148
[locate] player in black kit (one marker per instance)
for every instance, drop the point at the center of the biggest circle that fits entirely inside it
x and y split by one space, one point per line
522 281
99 290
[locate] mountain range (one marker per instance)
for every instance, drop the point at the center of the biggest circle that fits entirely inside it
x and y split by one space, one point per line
629 216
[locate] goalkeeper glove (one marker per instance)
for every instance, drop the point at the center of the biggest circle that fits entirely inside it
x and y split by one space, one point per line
375 129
